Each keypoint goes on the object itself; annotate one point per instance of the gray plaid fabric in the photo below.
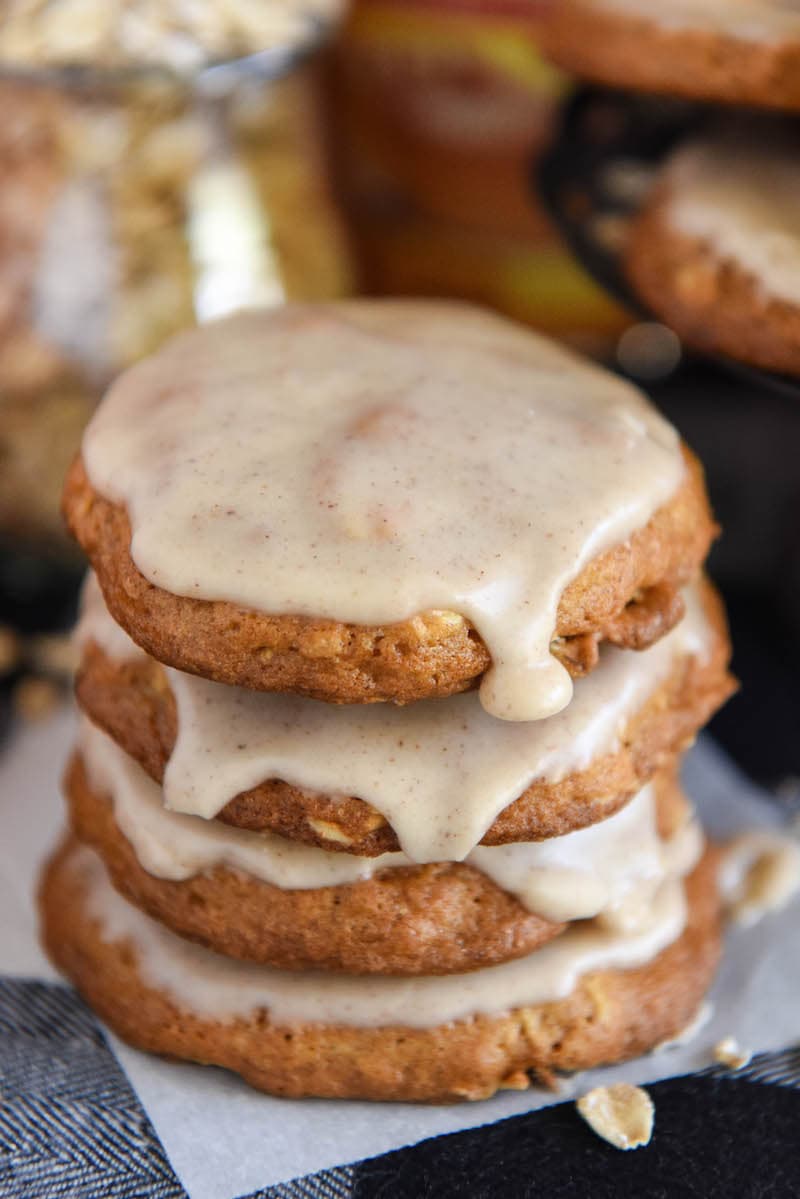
(70, 1124)
(72, 1128)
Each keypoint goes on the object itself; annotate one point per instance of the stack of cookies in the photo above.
(396, 633)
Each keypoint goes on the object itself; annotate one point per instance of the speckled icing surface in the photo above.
(367, 462)
(439, 771)
(612, 868)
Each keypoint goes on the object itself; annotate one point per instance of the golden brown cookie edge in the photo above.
(132, 703)
(624, 51)
(434, 919)
(610, 1016)
(711, 303)
(432, 654)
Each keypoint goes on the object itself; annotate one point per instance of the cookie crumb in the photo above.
(760, 874)
(728, 1052)
(621, 1114)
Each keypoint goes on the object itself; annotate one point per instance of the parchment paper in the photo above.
(224, 1140)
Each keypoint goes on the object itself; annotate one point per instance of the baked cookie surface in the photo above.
(438, 918)
(627, 596)
(312, 500)
(738, 53)
(130, 697)
(413, 920)
(610, 1014)
(715, 253)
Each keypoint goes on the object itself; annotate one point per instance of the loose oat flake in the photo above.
(728, 1052)
(622, 1114)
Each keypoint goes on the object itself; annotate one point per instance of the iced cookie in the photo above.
(736, 51)
(590, 996)
(433, 778)
(259, 897)
(386, 501)
(716, 251)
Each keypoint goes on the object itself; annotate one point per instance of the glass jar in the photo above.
(134, 204)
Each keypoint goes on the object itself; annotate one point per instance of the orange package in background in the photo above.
(439, 109)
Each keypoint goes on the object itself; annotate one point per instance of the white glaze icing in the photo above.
(368, 461)
(172, 846)
(439, 771)
(221, 989)
(745, 20)
(95, 623)
(742, 198)
(612, 868)
(455, 762)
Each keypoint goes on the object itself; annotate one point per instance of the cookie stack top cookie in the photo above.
(349, 561)
(386, 502)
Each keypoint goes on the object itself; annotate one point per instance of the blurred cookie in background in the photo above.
(715, 252)
(735, 51)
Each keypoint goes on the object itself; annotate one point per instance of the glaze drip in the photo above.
(440, 772)
(612, 868)
(340, 462)
(221, 989)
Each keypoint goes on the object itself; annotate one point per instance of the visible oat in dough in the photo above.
(610, 1015)
(626, 595)
(621, 1114)
(132, 702)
